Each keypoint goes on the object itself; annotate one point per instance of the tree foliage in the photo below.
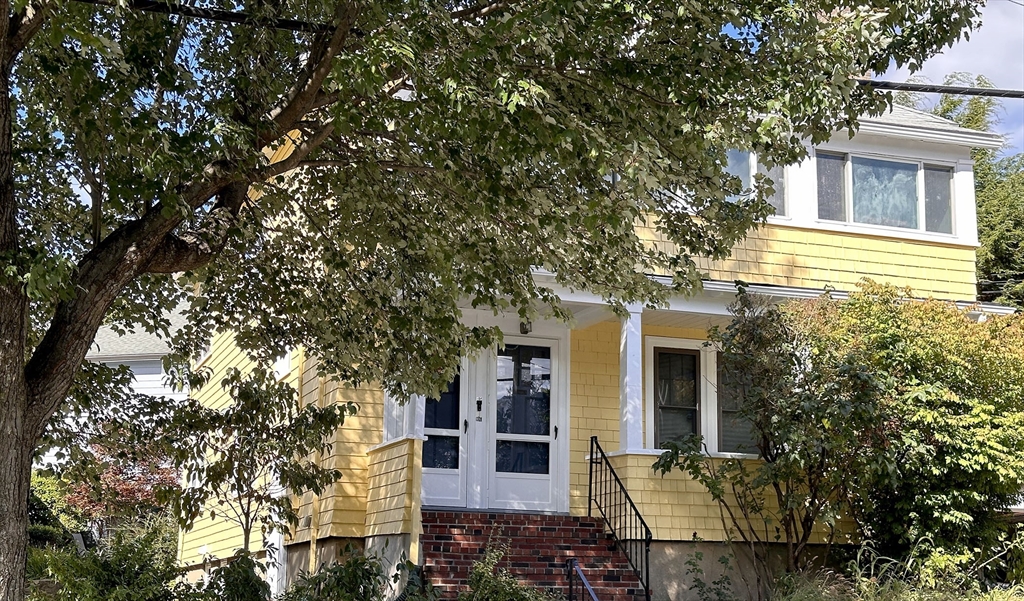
(347, 189)
(895, 420)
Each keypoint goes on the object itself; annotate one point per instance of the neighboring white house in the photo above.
(142, 352)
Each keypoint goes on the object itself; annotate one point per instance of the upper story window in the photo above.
(888, 192)
(744, 165)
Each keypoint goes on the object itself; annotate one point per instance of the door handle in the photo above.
(465, 425)
(556, 432)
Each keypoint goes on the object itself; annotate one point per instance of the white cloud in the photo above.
(995, 50)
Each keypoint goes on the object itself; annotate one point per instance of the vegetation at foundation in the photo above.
(879, 419)
(488, 581)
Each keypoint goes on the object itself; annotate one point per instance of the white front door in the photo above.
(492, 441)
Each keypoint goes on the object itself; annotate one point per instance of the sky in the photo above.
(996, 50)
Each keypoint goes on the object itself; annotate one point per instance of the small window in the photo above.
(283, 365)
(938, 199)
(743, 164)
(735, 431)
(677, 389)
(441, 427)
(831, 186)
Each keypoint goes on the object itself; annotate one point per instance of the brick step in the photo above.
(539, 546)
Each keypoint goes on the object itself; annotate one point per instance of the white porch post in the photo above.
(631, 432)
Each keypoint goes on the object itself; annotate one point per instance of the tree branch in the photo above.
(300, 98)
(198, 247)
(24, 25)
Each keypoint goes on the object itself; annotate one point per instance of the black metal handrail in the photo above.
(577, 580)
(620, 515)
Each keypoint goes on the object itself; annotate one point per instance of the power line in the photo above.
(227, 16)
(904, 86)
(216, 14)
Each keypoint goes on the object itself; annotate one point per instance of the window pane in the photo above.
(831, 186)
(443, 413)
(675, 423)
(676, 389)
(441, 452)
(884, 193)
(524, 390)
(938, 199)
(778, 199)
(738, 165)
(522, 457)
(735, 431)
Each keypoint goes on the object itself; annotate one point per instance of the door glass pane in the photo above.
(441, 452)
(443, 413)
(938, 199)
(522, 457)
(831, 186)
(524, 390)
(884, 192)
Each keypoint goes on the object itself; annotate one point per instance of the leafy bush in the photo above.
(138, 564)
(358, 577)
(489, 582)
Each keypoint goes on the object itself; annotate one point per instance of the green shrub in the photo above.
(489, 582)
(358, 577)
(136, 564)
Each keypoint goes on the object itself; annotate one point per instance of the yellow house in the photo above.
(509, 445)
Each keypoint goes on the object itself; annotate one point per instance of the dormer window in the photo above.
(885, 192)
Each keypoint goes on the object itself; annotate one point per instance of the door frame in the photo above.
(559, 453)
(478, 374)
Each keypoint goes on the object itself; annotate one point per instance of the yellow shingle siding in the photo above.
(789, 256)
(217, 537)
(594, 402)
(342, 506)
(392, 506)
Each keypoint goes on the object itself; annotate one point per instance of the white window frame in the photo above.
(707, 408)
(283, 365)
(848, 191)
(754, 162)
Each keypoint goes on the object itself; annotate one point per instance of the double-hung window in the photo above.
(744, 165)
(868, 190)
(676, 393)
(689, 394)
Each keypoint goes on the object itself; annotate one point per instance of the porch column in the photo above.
(631, 431)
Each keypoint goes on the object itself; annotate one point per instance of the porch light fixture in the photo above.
(525, 327)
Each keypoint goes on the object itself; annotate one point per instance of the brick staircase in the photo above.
(540, 545)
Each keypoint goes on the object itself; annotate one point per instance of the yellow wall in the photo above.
(789, 256)
(594, 402)
(394, 485)
(342, 507)
(214, 537)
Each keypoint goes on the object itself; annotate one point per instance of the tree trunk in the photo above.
(15, 476)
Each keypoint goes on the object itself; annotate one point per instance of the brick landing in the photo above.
(540, 544)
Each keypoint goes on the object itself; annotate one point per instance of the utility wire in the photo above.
(228, 16)
(215, 14)
(940, 89)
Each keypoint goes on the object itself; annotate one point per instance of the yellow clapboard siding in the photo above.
(393, 502)
(789, 256)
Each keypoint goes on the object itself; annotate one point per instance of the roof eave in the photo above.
(969, 138)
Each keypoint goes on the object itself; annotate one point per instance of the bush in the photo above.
(358, 577)
(488, 582)
(138, 564)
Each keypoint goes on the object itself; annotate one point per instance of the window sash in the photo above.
(664, 410)
(838, 196)
(745, 165)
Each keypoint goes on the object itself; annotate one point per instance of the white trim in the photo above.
(389, 443)
(124, 358)
(631, 428)
(938, 136)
